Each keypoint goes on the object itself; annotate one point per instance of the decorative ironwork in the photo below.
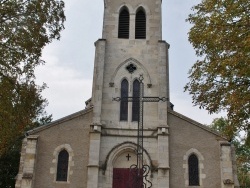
(135, 177)
(193, 170)
(131, 68)
(138, 177)
(139, 172)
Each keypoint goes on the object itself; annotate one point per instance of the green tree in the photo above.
(21, 105)
(220, 79)
(242, 150)
(9, 163)
(26, 27)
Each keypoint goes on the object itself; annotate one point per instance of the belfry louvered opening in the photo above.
(123, 31)
(140, 25)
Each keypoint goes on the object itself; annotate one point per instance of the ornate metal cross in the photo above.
(140, 170)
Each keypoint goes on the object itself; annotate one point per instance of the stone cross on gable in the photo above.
(141, 99)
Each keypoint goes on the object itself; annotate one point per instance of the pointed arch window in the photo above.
(193, 170)
(140, 24)
(123, 26)
(62, 166)
(135, 104)
(124, 104)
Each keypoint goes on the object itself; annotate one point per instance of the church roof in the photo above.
(193, 122)
(59, 121)
(89, 109)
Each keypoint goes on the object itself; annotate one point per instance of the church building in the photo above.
(98, 146)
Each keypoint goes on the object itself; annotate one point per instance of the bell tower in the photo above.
(131, 46)
(131, 14)
(132, 38)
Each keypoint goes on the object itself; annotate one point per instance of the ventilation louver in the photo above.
(123, 31)
(140, 25)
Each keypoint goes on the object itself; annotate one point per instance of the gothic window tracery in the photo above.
(131, 68)
(193, 170)
(140, 24)
(123, 27)
(62, 166)
(135, 103)
(124, 104)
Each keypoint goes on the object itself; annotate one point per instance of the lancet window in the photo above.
(193, 170)
(124, 104)
(140, 24)
(62, 166)
(123, 27)
(135, 104)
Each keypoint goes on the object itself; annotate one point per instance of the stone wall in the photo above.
(39, 156)
(26, 175)
(189, 137)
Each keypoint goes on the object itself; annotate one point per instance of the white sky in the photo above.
(69, 68)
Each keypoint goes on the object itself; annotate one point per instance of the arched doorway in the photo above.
(121, 169)
(119, 160)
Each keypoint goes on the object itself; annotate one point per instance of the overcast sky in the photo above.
(69, 68)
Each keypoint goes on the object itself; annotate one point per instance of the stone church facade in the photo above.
(94, 148)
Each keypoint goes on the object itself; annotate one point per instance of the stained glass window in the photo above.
(62, 166)
(193, 170)
(124, 103)
(135, 104)
(123, 30)
(140, 24)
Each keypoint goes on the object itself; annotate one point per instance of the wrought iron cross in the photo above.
(141, 171)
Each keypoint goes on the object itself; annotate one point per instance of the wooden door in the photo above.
(120, 177)
(125, 178)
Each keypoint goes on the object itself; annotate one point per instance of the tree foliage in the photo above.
(220, 79)
(21, 107)
(26, 26)
(9, 163)
(242, 150)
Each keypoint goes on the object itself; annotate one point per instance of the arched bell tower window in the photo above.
(124, 104)
(62, 166)
(193, 170)
(123, 27)
(140, 24)
(135, 104)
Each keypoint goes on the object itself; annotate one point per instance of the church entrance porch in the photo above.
(122, 174)
(121, 170)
